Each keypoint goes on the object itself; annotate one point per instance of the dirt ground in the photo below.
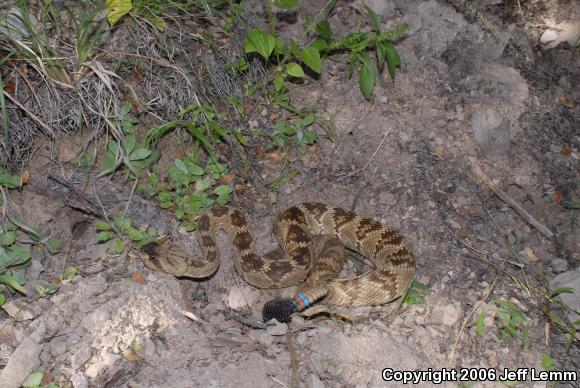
(462, 100)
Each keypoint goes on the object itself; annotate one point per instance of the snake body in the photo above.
(296, 260)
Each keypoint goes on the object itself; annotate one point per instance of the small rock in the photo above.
(559, 265)
(492, 131)
(277, 328)
(22, 362)
(383, 99)
(57, 348)
(81, 356)
(363, 311)
(79, 380)
(253, 123)
(18, 310)
(450, 315)
(548, 36)
(241, 297)
(571, 299)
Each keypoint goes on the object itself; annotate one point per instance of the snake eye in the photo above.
(279, 309)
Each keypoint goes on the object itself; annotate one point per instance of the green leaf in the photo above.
(10, 181)
(223, 190)
(381, 53)
(311, 58)
(116, 9)
(294, 70)
(104, 236)
(53, 245)
(286, 4)
(393, 59)
(123, 223)
(179, 214)
(561, 290)
(70, 273)
(2, 298)
(366, 80)
(480, 326)
(129, 143)
(33, 380)
(279, 84)
(10, 281)
(323, 29)
(18, 255)
(119, 246)
(7, 238)
(44, 289)
(102, 225)
(108, 165)
(223, 199)
(548, 363)
(376, 19)
(180, 165)
(260, 42)
(140, 154)
(135, 234)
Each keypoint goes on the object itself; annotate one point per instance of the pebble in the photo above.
(548, 36)
(559, 265)
(81, 356)
(314, 382)
(277, 328)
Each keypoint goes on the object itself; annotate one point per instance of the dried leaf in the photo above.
(273, 156)
(132, 356)
(138, 277)
(557, 197)
(565, 151)
(531, 255)
(566, 101)
(439, 149)
(227, 179)
(24, 177)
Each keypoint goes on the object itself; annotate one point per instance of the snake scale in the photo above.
(297, 259)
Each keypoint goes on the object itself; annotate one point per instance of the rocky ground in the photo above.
(469, 112)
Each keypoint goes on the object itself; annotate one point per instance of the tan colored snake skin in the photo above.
(296, 261)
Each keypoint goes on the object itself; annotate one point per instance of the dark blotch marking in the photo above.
(243, 240)
(203, 224)
(219, 211)
(400, 256)
(211, 255)
(277, 269)
(367, 226)
(389, 237)
(152, 250)
(294, 214)
(301, 256)
(297, 234)
(342, 217)
(251, 263)
(238, 219)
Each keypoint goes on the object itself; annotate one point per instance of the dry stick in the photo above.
(29, 113)
(480, 175)
(467, 319)
(130, 197)
(293, 359)
(368, 161)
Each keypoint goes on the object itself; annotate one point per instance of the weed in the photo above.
(512, 321)
(416, 293)
(121, 229)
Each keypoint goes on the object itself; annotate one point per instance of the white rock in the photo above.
(277, 328)
(548, 36)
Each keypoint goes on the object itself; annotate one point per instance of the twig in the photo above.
(467, 320)
(29, 113)
(480, 175)
(368, 161)
(293, 359)
(245, 321)
(130, 197)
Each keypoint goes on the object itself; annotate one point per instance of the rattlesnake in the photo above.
(296, 260)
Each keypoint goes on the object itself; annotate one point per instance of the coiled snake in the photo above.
(296, 259)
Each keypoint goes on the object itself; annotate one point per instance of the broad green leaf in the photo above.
(376, 19)
(319, 44)
(108, 165)
(70, 273)
(393, 59)
(116, 9)
(140, 154)
(195, 169)
(381, 55)
(311, 58)
(180, 165)
(10, 281)
(222, 199)
(44, 289)
(286, 4)
(135, 234)
(105, 236)
(295, 70)
(18, 255)
(279, 84)
(126, 108)
(308, 120)
(366, 80)
(33, 380)
(179, 214)
(102, 225)
(53, 245)
(7, 238)
(559, 291)
(223, 190)
(202, 184)
(260, 42)
(2, 298)
(323, 29)
(480, 326)
(119, 246)
(130, 142)
(10, 181)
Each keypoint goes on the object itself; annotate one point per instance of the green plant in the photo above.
(121, 231)
(416, 293)
(512, 321)
(290, 59)
(191, 189)
(125, 150)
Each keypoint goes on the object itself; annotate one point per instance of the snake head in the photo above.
(279, 309)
